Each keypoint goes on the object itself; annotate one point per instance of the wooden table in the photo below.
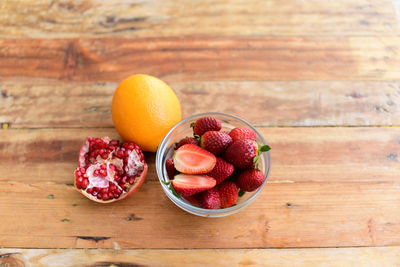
(320, 79)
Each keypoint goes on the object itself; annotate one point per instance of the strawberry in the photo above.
(228, 193)
(193, 200)
(242, 133)
(186, 140)
(188, 185)
(209, 199)
(206, 124)
(169, 165)
(244, 153)
(215, 142)
(249, 180)
(191, 159)
(241, 153)
(221, 171)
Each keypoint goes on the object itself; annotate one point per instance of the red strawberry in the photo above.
(250, 180)
(209, 199)
(206, 124)
(242, 133)
(188, 185)
(193, 200)
(191, 159)
(244, 153)
(241, 153)
(169, 165)
(187, 140)
(215, 142)
(221, 171)
(228, 193)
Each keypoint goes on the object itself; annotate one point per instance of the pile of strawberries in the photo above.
(214, 167)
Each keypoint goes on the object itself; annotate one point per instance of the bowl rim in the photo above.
(210, 212)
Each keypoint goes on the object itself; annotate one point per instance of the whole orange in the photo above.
(144, 108)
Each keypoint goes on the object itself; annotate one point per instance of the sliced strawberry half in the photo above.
(188, 185)
(191, 159)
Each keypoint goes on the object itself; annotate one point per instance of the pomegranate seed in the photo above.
(131, 180)
(112, 167)
(104, 196)
(90, 190)
(117, 178)
(116, 194)
(103, 172)
(112, 187)
(85, 183)
(99, 196)
(124, 179)
(119, 154)
(104, 190)
(114, 142)
(104, 156)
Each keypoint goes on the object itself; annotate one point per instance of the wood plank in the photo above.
(306, 214)
(326, 257)
(48, 18)
(298, 155)
(44, 103)
(203, 58)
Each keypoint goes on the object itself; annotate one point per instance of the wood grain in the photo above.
(324, 257)
(202, 58)
(55, 18)
(298, 154)
(44, 103)
(306, 214)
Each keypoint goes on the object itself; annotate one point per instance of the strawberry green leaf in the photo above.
(173, 191)
(241, 193)
(170, 187)
(265, 148)
(192, 125)
(197, 137)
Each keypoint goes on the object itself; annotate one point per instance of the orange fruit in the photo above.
(144, 108)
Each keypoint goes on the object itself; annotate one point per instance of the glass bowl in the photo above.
(183, 129)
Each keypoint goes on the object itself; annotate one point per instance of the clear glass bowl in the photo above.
(183, 129)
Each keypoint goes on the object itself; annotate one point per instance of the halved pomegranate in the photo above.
(109, 170)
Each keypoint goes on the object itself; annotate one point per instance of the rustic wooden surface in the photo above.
(320, 79)
(371, 256)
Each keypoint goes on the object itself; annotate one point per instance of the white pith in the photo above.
(134, 165)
